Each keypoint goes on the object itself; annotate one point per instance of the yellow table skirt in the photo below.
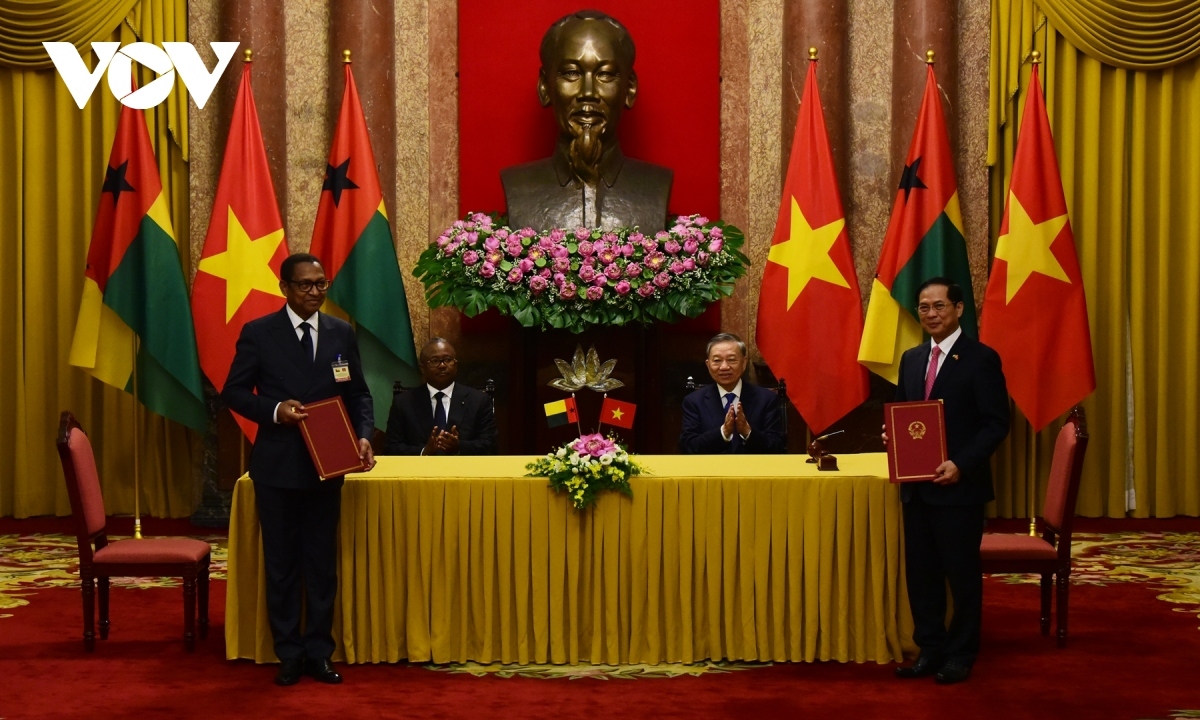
(714, 557)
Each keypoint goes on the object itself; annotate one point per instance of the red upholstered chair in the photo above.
(101, 559)
(1050, 554)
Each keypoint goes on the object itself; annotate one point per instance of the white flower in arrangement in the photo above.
(562, 452)
(607, 459)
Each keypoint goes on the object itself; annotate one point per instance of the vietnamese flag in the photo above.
(353, 239)
(810, 310)
(237, 279)
(135, 303)
(618, 413)
(924, 239)
(1034, 309)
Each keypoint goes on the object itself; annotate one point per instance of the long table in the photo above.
(751, 558)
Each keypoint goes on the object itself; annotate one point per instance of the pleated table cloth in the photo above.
(753, 558)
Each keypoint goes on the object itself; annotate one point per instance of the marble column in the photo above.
(443, 143)
(824, 25)
(364, 28)
(256, 25)
(918, 26)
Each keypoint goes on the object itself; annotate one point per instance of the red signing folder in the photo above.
(330, 438)
(916, 439)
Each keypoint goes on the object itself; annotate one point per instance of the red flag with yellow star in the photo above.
(810, 310)
(1034, 310)
(237, 279)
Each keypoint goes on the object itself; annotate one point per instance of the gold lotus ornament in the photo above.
(586, 371)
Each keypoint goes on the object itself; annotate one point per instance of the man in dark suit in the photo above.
(441, 417)
(284, 360)
(943, 518)
(731, 415)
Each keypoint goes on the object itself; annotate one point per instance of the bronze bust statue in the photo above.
(587, 79)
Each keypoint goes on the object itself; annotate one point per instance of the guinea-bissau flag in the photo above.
(353, 240)
(924, 239)
(1034, 309)
(135, 300)
(561, 412)
(237, 279)
(810, 310)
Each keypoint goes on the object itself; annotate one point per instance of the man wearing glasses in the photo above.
(283, 360)
(441, 417)
(943, 518)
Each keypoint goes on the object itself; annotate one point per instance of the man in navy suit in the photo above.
(441, 417)
(731, 415)
(284, 360)
(943, 518)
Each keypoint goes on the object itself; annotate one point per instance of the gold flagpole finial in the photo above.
(812, 54)
(346, 56)
(1035, 57)
(248, 55)
(928, 57)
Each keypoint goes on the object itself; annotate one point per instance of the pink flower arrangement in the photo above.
(625, 275)
(594, 445)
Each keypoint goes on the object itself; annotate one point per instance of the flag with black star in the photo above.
(353, 239)
(924, 239)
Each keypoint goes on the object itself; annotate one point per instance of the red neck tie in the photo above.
(931, 373)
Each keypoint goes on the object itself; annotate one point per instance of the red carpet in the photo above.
(1130, 656)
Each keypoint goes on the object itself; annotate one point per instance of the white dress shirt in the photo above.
(445, 401)
(945, 345)
(296, 320)
(737, 392)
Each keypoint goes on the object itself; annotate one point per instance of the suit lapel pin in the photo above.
(954, 356)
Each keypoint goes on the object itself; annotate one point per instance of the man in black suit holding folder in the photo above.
(284, 360)
(943, 518)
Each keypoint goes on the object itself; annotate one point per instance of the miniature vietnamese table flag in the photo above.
(134, 290)
(353, 240)
(924, 239)
(561, 412)
(618, 413)
(810, 310)
(237, 279)
(1034, 309)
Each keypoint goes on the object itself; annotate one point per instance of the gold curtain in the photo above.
(26, 24)
(1129, 149)
(1129, 34)
(52, 161)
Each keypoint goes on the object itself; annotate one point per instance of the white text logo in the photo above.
(165, 61)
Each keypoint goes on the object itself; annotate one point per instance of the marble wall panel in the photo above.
(309, 119)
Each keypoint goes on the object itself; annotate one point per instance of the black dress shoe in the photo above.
(923, 667)
(290, 671)
(322, 671)
(953, 672)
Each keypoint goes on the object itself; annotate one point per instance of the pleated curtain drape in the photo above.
(52, 163)
(1123, 95)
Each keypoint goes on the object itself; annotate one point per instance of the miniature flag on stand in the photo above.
(353, 239)
(135, 301)
(618, 413)
(1034, 310)
(924, 239)
(237, 279)
(561, 412)
(810, 312)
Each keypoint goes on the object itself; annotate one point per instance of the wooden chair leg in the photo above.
(89, 611)
(1047, 586)
(189, 610)
(203, 592)
(103, 608)
(1064, 589)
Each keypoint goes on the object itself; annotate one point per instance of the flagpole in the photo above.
(1035, 58)
(600, 419)
(137, 514)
